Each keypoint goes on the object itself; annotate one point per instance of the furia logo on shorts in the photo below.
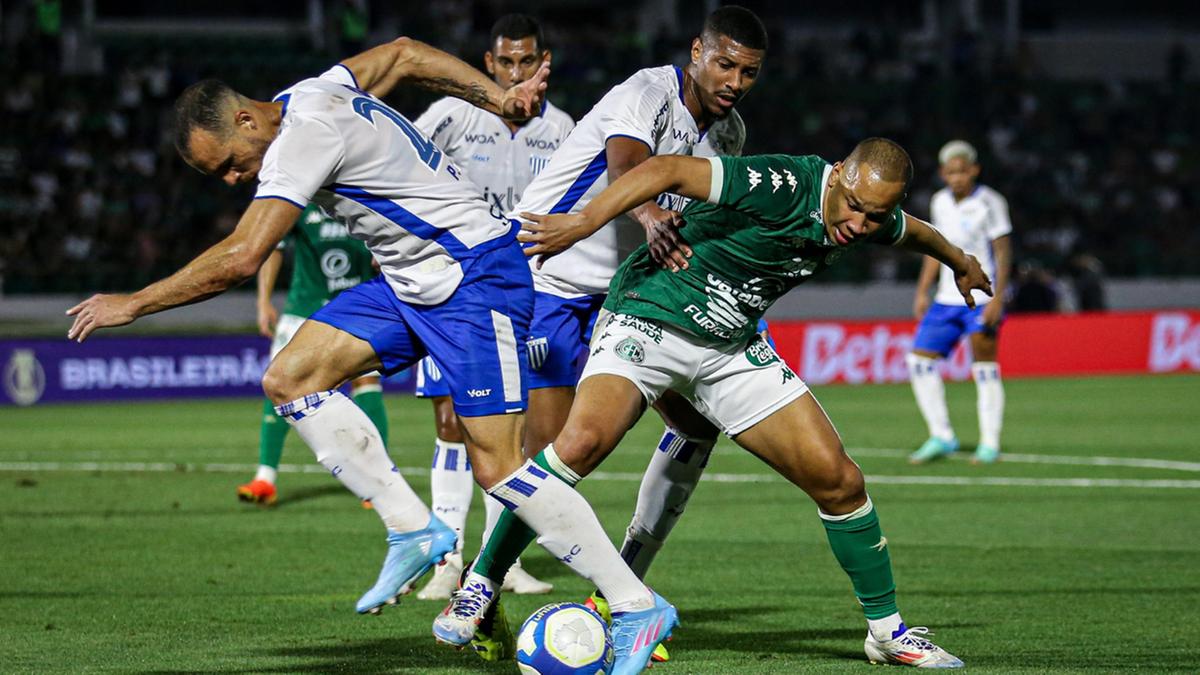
(24, 378)
(631, 350)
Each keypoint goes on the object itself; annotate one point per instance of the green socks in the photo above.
(511, 536)
(860, 547)
(272, 432)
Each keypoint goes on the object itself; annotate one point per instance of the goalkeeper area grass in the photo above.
(123, 547)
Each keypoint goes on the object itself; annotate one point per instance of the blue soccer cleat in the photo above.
(932, 449)
(637, 634)
(986, 454)
(410, 555)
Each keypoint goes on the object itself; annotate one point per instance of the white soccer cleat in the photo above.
(457, 624)
(910, 648)
(444, 580)
(523, 583)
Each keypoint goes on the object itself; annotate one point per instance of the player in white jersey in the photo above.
(501, 157)
(973, 217)
(658, 111)
(454, 284)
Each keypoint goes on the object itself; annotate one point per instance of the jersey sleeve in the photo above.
(305, 156)
(444, 123)
(998, 223)
(340, 74)
(636, 113)
(770, 188)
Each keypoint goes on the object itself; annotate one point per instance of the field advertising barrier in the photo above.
(121, 368)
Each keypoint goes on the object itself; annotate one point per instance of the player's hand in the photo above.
(100, 311)
(267, 317)
(524, 100)
(920, 305)
(972, 277)
(546, 236)
(667, 247)
(991, 313)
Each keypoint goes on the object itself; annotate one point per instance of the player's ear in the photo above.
(697, 49)
(245, 119)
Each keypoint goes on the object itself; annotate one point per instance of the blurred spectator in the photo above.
(1036, 290)
(1087, 279)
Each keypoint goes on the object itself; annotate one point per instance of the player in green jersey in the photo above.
(325, 261)
(765, 224)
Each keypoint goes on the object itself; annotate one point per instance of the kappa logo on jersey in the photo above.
(538, 349)
(755, 178)
(791, 179)
(479, 393)
(631, 350)
(480, 139)
(776, 180)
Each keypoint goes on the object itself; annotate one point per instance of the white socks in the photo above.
(266, 473)
(492, 510)
(568, 528)
(989, 401)
(451, 485)
(931, 395)
(674, 470)
(887, 628)
(347, 443)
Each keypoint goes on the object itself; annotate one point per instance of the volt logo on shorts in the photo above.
(477, 393)
(631, 350)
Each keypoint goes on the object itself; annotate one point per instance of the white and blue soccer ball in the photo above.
(563, 638)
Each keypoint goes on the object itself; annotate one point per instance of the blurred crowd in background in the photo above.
(1100, 175)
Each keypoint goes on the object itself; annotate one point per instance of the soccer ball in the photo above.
(562, 638)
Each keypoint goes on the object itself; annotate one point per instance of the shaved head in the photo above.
(879, 159)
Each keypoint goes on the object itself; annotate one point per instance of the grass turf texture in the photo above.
(164, 571)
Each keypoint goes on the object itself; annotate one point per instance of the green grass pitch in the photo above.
(123, 549)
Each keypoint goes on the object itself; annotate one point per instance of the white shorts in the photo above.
(735, 386)
(285, 329)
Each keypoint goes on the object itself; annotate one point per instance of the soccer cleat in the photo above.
(494, 640)
(637, 634)
(468, 608)
(366, 504)
(257, 492)
(445, 579)
(410, 554)
(910, 648)
(986, 454)
(599, 605)
(523, 583)
(932, 449)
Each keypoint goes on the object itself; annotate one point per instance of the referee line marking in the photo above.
(715, 477)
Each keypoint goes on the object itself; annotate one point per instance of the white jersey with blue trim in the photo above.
(647, 107)
(971, 224)
(371, 168)
(501, 162)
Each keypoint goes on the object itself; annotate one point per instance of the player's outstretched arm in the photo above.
(268, 274)
(920, 237)
(685, 176)
(405, 60)
(228, 263)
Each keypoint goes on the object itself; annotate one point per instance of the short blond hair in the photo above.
(957, 148)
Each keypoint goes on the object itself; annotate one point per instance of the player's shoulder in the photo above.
(450, 105)
(989, 195)
(942, 196)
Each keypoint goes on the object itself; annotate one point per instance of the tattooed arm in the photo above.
(412, 62)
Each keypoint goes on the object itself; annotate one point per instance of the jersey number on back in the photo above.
(427, 151)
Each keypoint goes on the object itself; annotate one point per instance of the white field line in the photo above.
(1016, 458)
(170, 467)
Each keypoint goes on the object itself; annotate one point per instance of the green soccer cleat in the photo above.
(598, 604)
(494, 640)
(933, 449)
(986, 454)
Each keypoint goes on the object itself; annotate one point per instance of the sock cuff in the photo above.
(549, 460)
(917, 362)
(860, 512)
(306, 405)
(984, 371)
(446, 456)
(684, 449)
(375, 388)
(517, 487)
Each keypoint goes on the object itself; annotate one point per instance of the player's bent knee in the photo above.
(843, 491)
(580, 449)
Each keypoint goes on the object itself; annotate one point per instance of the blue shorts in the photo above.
(559, 337)
(430, 382)
(763, 331)
(944, 325)
(476, 335)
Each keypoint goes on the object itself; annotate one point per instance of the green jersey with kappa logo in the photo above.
(760, 234)
(326, 260)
